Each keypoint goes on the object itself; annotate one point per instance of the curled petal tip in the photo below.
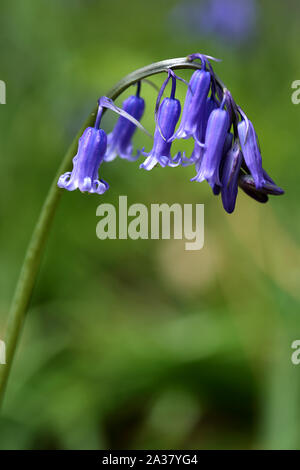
(101, 186)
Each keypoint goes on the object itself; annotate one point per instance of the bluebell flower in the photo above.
(119, 140)
(193, 113)
(226, 150)
(167, 117)
(90, 154)
(215, 137)
(230, 176)
(251, 151)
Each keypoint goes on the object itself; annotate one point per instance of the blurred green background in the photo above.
(141, 344)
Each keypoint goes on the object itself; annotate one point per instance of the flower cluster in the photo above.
(226, 150)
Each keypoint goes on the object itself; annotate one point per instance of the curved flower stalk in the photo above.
(213, 163)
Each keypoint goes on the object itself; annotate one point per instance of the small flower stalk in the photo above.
(226, 150)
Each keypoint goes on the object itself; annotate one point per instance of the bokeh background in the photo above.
(141, 344)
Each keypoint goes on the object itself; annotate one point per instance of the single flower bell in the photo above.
(250, 149)
(119, 140)
(167, 116)
(217, 129)
(86, 163)
(230, 176)
(194, 105)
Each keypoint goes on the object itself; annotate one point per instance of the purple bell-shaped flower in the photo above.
(90, 154)
(167, 117)
(119, 140)
(230, 176)
(215, 137)
(194, 106)
(251, 151)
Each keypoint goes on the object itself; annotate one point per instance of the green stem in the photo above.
(36, 245)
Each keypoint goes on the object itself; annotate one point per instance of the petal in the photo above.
(230, 176)
(251, 152)
(215, 137)
(194, 106)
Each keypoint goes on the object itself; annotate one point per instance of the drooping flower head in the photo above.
(119, 140)
(86, 163)
(226, 150)
(167, 115)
